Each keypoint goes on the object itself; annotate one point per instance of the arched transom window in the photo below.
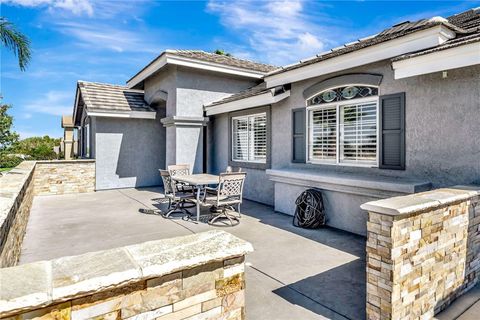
(342, 126)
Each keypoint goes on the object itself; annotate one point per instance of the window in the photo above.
(249, 138)
(87, 140)
(342, 126)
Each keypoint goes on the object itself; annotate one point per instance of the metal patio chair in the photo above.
(176, 200)
(229, 193)
(180, 170)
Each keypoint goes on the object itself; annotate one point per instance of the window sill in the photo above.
(249, 165)
(345, 164)
(378, 187)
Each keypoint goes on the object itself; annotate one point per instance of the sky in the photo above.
(110, 40)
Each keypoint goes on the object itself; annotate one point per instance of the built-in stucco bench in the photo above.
(343, 193)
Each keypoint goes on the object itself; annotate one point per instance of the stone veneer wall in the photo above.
(423, 251)
(61, 177)
(16, 196)
(28, 179)
(197, 277)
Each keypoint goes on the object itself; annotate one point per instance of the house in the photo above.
(390, 114)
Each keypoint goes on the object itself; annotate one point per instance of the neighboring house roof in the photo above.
(103, 99)
(202, 60)
(461, 23)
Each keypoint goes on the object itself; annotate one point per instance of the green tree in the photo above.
(7, 136)
(16, 41)
(37, 148)
(222, 52)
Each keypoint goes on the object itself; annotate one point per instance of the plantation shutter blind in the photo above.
(250, 138)
(323, 128)
(298, 135)
(259, 131)
(392, 131)
(358, 129)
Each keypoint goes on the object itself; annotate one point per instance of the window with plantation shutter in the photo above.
(358, 133)
(323, 134)
(342, 126)
(249, 138)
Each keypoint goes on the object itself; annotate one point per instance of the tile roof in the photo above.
(447, 45)
(458, 23)
(223, 59)
(109, 97)
(214, 58)
(467, 24)
(466, 20)
(250, 92)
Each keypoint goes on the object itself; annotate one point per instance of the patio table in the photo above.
(200, 181)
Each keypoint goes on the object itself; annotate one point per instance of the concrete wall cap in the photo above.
(65, 278)
(355, 180)
(419, 202)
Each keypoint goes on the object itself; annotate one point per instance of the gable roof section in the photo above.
(459, 25)
(102, 99)
(202, 60)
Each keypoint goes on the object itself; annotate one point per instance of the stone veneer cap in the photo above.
(47, 282)
(421, 201)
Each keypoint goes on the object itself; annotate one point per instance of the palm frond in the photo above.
(15, 41)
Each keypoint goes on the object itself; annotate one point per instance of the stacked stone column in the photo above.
(422, 252)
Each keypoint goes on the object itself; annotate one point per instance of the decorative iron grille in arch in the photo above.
(342, 94)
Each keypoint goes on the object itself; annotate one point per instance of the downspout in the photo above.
(205, 146)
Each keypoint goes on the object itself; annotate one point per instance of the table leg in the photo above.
(198, 203)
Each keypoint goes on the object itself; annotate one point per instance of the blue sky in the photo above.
(110, 40)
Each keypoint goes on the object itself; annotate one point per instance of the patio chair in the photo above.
(229, 193)
(181, 170)
(176, 200)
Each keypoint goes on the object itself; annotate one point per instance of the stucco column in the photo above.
(184, 141)
(67, 124)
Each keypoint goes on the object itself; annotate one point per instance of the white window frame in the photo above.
(338, 105)
(247, 117)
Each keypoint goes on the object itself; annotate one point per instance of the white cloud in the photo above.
(101, 36)
(277, 32)
(53, 102)
(77, 7)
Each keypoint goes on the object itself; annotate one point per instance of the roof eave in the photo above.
(170, 58)
(435, 61)
(266, 98)
(419, 40)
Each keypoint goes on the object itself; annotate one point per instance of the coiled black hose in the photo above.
(310, 212)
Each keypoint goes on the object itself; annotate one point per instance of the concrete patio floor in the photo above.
(293, 273)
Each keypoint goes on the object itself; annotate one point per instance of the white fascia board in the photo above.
(216, 67)
(77, 97)
(457, 57)
(416, 41)
(148, 71)
(263, 99)
(169, 58)
(123, 114)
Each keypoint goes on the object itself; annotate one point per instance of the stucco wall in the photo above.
(129, 152)
(442, 125)
(196, 88)
(188, 90)
(257, 186)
